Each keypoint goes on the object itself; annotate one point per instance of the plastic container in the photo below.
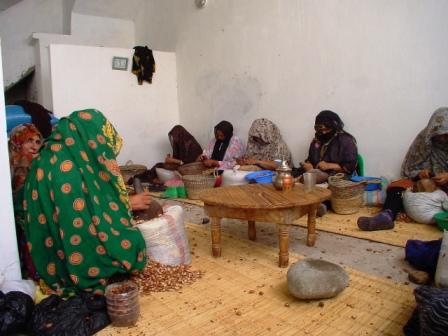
(123, 305)
(373, 183)
(441, 277)
(262, 176)
(442, 220)
(232, 177)
(165, 175)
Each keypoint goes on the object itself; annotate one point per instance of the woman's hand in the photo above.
(323, 165)
(201, 157)
(441, 179)
(424, 174)
(170, 159)
(251, 162)
(140, 201)
(211, 163)
(307, 166)
(240, 161)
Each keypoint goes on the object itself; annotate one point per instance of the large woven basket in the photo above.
(194, 168)
(194, 184)
(346, 196)
(130, 169)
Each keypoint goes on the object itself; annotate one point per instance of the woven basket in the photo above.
(346, 196)
(194, 168)
(194, 184)
(130, 170)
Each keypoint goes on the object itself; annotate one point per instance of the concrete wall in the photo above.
(380, 64)
(118, 32)
(82, 77)
(9, 261)
(17, 24)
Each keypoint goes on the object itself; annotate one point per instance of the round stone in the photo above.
(316, 279)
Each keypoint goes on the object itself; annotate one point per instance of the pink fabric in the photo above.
(235, 150)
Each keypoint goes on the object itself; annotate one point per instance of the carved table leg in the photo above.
(252, 231)
(311, 238)
(283, 238)
(216, 236)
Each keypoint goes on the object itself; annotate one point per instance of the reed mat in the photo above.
(245, 293)
(398, 236)
(183, 200)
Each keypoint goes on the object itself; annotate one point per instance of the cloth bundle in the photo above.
(422, 206)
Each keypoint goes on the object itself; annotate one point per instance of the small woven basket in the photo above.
(194, 168)
(130, 170)
(194, 184)
(346, 196)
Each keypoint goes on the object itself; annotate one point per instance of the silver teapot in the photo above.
(283, 179)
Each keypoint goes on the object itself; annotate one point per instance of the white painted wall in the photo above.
(82, 77)
(380, 64)
(17, 23)
(42, 43)
(9, 261)
(118, 32)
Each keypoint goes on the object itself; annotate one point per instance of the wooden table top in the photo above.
(262, 196)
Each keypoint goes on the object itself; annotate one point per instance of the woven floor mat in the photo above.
(346, 225)
(245, 293)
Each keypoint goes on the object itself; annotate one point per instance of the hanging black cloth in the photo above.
(143, 64)
(40, 116)
(220, 148)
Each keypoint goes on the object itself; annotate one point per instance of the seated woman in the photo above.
(185, 150)
(426, 158)
(332, 150)
(78, 213)
(223, 149)
(24, 144)
(185, 147)
(264, 145)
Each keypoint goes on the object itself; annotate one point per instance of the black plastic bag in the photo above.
(15, 311)
(81, 315)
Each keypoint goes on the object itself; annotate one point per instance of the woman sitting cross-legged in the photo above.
(427, 158)
(264, 145)
(332, 150)
(223, 149)
(185, 147)
(78, 213)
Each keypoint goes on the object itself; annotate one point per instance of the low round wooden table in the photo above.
(261, 202)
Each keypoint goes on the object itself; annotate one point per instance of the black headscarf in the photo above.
(331, 120)
(185, 147)
(221, 146)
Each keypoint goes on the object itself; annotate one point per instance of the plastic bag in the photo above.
(25, 286)
(15, 311)
(422, 206)
(81, 315)
(166, 239)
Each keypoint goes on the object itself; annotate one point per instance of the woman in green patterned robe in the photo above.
(78, 219)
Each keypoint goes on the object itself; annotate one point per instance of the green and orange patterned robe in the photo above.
(78, 221)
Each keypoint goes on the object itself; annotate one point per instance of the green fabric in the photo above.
(360, 168)
(78, 221)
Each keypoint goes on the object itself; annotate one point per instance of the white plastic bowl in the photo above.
(232, 177)
(165, 174)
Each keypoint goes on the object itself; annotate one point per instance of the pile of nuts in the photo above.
(157, 277)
